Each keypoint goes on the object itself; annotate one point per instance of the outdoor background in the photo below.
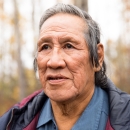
(19, 21)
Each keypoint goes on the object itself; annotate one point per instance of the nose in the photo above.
(56, 60)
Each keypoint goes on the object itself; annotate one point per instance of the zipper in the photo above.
(7, 127)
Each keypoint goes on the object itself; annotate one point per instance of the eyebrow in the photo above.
(44, 39)
(69, 39)
(61, 39)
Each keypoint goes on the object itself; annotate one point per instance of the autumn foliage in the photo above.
(17, 80)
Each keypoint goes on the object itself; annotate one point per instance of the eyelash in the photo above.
(68, 46)
(45, 47)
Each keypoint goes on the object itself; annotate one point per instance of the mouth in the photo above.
(59, 77)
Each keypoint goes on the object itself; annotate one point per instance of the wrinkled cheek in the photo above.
(42, 77)
(80, 81)
(41, 62)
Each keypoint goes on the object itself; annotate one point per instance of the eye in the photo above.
(68, 46)
(45, 47)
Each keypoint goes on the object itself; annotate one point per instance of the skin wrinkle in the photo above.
(70, 96)
(73, 77)
(59, 73)
(59, 40)
(67, 109)
(81, 65)
(56, 29)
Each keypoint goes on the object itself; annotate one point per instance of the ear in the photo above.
(100, 52)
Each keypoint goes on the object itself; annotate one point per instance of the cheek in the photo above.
(78, 64)
(41, 63)
(81, 70)
(42, 78)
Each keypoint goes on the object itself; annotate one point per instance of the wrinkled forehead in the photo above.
(65, 20)
(62, 26)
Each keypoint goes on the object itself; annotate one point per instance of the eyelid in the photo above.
(68, 43)
(44, 40)
(43, 45)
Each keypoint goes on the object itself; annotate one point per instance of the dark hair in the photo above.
(92, 36)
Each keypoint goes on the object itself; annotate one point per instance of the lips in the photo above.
(56, 77)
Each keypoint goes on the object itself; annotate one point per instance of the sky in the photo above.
(108, 15)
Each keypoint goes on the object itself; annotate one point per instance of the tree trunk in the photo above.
(21, 73)
(82, 4)
(2, 46)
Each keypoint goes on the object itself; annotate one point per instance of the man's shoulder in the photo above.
(26, 110)
(31, 98)
(115, 94)
(119, 103)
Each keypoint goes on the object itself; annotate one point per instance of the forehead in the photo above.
(63, 21)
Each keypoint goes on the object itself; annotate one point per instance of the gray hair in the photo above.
(92, 36)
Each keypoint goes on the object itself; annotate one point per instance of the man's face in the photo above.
(65, 71)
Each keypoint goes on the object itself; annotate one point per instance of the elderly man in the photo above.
(76, 93)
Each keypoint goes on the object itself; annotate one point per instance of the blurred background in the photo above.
(19, 21)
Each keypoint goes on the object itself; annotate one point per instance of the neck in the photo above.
(67, 113)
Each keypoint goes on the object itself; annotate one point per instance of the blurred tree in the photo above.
(34, 24)
(118, 52)
(16, 80)
(126, 20)
(82, 4)
(2, 17)
(21, 73)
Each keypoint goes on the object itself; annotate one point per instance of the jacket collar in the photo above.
(119, 107)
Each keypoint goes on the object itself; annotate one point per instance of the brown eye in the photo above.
(45, 47)
(68, 46)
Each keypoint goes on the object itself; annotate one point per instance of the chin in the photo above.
(62, 96)
(62, 99)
